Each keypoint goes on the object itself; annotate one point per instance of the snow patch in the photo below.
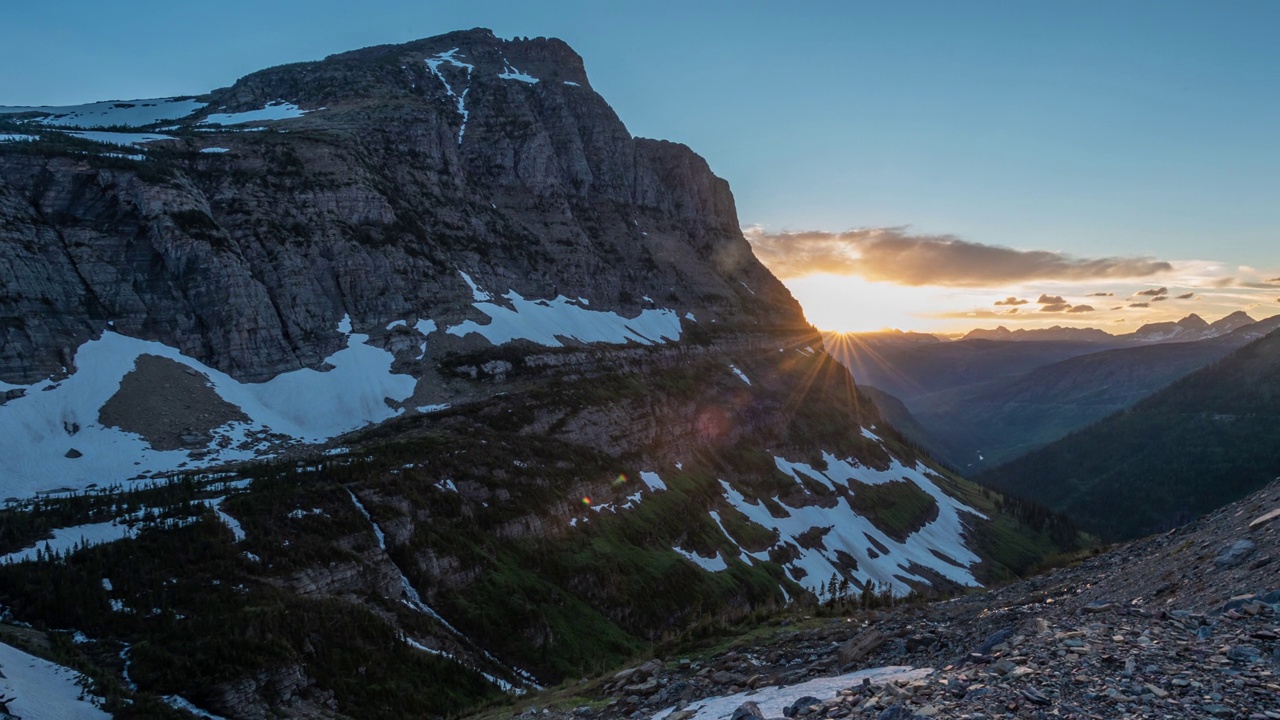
(11, 137)
(509, 72)
(571, 83)
(434, 64)
(120, 139)
(715, 564)
(236, 530)
(178, 702)
(306, 405)
(42, 690)
(545, 322)
(849, 532)
(424, 328)
(124, 113)
(773, 699)
(216, 150)
(476, 293)
(853, 534)
(653, 481)
(740, 374)
(273, 111)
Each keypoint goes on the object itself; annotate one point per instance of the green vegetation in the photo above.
(897, 507)
(476, 509)
(1201, 443)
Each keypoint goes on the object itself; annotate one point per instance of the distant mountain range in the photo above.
(1205, 440)
(978, 402)
(1188, 329)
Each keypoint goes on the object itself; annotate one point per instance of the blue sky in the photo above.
(1089, 128)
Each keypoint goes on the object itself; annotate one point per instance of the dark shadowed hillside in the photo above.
(1208, 439)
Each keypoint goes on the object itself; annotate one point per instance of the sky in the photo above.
(905, 164)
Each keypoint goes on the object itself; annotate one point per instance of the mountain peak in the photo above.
(1232, 322)
(1193, 322)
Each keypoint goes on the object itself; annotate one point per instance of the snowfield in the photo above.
(278, 110)
(39, 429)
(43, 690)
(113, 113)
(545, 322)
(888, 562)
(879, 557)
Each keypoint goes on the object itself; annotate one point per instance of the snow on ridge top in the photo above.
(11, 137)
(278, 110)
(434, 64)
(545, 322)
(126, 113)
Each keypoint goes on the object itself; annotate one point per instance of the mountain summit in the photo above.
(374, 216)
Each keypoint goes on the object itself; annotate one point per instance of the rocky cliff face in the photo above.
(402, 166)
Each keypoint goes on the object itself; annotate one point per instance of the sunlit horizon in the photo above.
(850, 304)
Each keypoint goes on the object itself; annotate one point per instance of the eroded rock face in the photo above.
(369, 205)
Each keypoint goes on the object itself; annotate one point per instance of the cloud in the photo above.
(1011, 301)
(1185, 296)
(892, 255)
(1274, 280)
(1159, 299)
(1118, 307)
(1051, 300)
(1056, 307)
(1101, 295)
(1081, 309)
(1153, 292)
(1139, 304)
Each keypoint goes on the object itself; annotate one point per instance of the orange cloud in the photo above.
(892, 255)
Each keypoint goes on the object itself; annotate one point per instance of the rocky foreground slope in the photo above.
(1184, 624)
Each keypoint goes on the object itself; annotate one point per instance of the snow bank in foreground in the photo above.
(39, 429)
(41, 689)
(125, 113)
(772, 700)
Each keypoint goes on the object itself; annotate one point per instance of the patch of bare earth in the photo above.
(169, 404)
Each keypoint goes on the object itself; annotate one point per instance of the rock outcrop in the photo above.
(411, 163)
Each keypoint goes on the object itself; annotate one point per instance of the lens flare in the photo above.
(586, 500)
(620, 480)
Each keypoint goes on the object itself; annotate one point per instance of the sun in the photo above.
(842, 303)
